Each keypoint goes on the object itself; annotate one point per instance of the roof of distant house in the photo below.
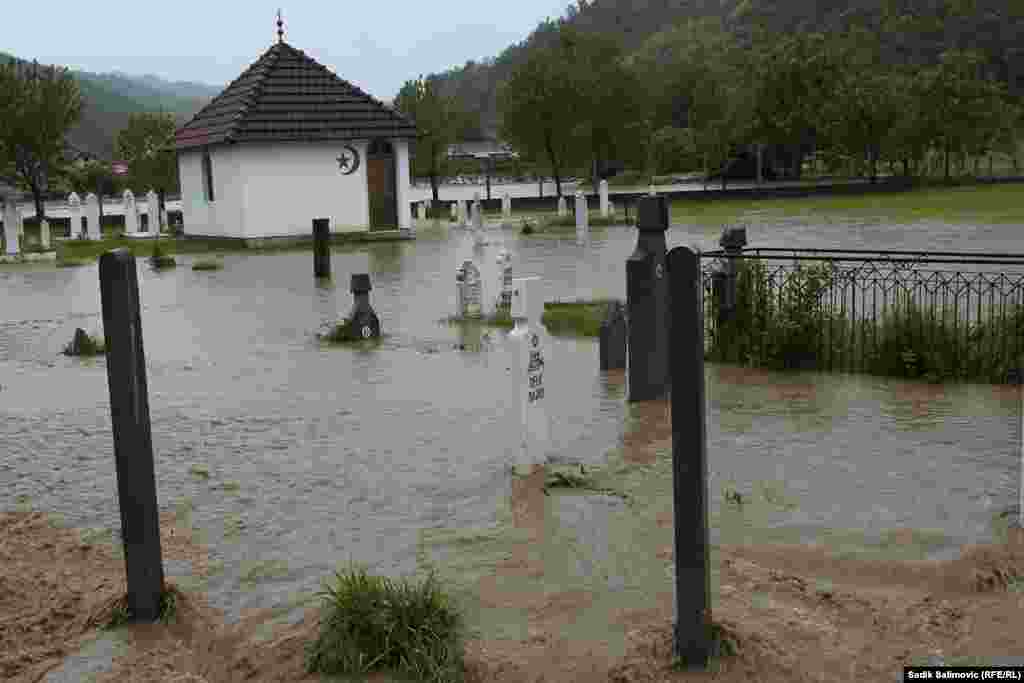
(286, 96)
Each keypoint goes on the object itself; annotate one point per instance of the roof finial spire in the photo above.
(280, 31)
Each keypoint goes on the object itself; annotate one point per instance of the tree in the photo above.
(147, 144)
(538, 106)
(38, 105)
(439, 122)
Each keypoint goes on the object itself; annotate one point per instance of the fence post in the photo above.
(689, 462)
(321, 247)
(647, 295)
(133, 443)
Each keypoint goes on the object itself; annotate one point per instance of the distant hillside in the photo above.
(111, 98)
(994, 26)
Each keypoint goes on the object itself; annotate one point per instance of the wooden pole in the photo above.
(133, 444)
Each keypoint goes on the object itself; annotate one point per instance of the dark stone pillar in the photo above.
(647, 295)
(133, 444)
(689, 463)
(363, 318)
(614, 331)
(321, 247)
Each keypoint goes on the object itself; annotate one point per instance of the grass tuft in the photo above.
(500, 318)
(372, 623)
(575, 318)
(207, 264)
(114, 613)
(84, 345)
(160, 258)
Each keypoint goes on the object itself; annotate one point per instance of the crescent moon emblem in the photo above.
(348, 160)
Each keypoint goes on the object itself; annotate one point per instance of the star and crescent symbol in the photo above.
(348, 160)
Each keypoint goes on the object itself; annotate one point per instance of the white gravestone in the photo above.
(471, 295)
(455, 210)
(463, 213)
(419, 210)
(611, 208)
(75, 211)
(131, 212)
(11, 227)
(528, 367)
(651, 191)
(153, 211)
(504, 300)
(506, 205)
(562, 210)
(582, 219)
(92, 216)
(604, 198)
(44, 234)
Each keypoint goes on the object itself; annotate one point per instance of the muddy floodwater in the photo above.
(290, 458)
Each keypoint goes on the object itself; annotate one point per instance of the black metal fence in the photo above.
(938, 315)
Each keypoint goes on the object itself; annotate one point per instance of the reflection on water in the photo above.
(341, 453)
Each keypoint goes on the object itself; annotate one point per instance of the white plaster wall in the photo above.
(223, 217)
(402, 181)
(288, 185)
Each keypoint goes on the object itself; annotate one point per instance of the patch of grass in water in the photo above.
(73, 262)
(579, 479)
(201, 471)
(160, 258)
(371, 623)
(500, 318)
(85, 345)
(344, 333)
(580, 318)
(208, 264)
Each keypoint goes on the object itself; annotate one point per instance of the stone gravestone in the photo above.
(611, 208)
(506, 205)
(131, 212)
(92, 216)
(471, 295)
(44, 234)
(153, 211)
(529, 365)
(363, 318)
(11, 227)
(455, 210)
(75, 211)
(419, 210)
(604, 198)
(504, 288)
(562, 210)
(582, 219)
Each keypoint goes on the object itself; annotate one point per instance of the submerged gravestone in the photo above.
(44, 234)
(613, 338)
(92, 216)
(529, 364)
(603, 190)
(470, 295)
(75, 211)
(504, 300)
(454, 209)
(363, 319)
(131, 212)
(562, 210)
(506, 205)
(582, 218)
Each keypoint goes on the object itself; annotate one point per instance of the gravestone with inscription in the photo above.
(504, 289)
(92, 216)
(363, 318)
(75, 211)
(472, 297)
(528, 365)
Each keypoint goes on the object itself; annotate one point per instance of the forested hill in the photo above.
(111, 98)
(994, 26)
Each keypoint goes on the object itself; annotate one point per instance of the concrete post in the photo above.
(133, 444)
(604, 198)
(363, 318)
(647, 295)
(692, 641)
(321, 247)
(613, 337)
(529, 350)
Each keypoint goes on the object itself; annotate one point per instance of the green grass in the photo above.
(91, 345)
(207, 264)
(575, 318)
(116, 612)
(372, 623)
(594, 219)
(344, 333)
(986, 204)
(74, 262)
(499, 318)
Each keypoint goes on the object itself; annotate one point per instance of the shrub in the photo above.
(370, 623)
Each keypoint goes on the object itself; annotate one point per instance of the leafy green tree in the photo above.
(147, 144)
(38, 106)
(439, 121)
(538, 106)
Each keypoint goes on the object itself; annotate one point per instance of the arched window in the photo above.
(207, 176)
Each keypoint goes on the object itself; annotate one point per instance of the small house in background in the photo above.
(289, 141)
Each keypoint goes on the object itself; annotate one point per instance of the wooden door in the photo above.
(383, 187)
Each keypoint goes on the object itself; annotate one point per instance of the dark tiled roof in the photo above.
(287, 96)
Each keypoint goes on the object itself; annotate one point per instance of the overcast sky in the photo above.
(376, 44)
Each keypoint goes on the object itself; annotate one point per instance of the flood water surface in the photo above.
(291, 458)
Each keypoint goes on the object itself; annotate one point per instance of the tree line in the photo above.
(901, 87)
(39, 106)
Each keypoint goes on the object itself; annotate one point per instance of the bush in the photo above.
(370, 623)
